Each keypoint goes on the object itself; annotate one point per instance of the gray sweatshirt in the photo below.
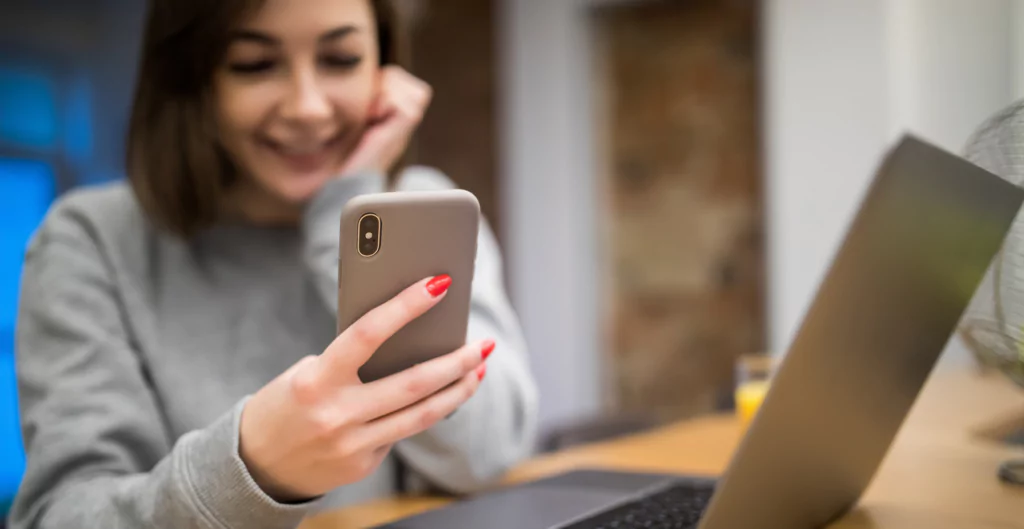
(136, 351)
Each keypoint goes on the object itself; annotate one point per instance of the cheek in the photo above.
(242, 108)
(353, 100)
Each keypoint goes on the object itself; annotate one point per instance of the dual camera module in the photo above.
(369, 235)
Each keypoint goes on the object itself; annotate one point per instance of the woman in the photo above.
(177, 359)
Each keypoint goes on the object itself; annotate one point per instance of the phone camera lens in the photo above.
(369, 239)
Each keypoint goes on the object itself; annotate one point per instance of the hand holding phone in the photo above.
(317, 426)
(389, 240)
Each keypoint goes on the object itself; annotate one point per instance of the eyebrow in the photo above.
(263, 38)
(253, 36)
(338, 33)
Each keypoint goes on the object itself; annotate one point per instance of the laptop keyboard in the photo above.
(677, 507)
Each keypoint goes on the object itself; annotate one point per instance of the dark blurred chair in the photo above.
(596, 430)
(608, 427)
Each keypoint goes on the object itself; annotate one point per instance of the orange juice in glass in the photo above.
(753, 378)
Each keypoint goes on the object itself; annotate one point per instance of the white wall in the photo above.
(843, 79)
(952, 65)
(549, 197)
(826, 120)
(1018, 48)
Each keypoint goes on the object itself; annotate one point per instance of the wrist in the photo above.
(254, 458)
(206, 468)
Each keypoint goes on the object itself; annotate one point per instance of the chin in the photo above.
(296, 179)
(299, 189)
(294, 185)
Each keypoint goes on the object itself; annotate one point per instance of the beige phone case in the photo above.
(422, 234)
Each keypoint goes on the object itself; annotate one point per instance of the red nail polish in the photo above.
(438, 285)
(481, 371)
(487, 349)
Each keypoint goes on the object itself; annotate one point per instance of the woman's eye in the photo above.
(252, 67)
(341, 61)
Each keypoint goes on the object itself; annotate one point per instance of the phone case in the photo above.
(422, 234)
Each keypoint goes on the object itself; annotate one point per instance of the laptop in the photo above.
(926, 231)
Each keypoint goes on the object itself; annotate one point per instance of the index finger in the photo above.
(356, 344)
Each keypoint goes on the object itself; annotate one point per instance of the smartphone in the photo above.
(390, 241)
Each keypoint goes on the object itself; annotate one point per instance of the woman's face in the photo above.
(294, 92)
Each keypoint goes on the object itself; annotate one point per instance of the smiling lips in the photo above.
(303, 157)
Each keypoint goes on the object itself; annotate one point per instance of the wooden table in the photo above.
(940, 473)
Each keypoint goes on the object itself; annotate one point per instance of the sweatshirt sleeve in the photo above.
(98, 454)
(496, 428)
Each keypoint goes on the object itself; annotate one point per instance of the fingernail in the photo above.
(487, 349)
(438, 285)
(481, 371)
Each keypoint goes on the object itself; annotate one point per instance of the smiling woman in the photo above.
(292, 103)
(177, 358)
(252, 105)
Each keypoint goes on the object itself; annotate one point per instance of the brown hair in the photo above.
(177, 168)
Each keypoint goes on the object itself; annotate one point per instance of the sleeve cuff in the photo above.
(221, 486)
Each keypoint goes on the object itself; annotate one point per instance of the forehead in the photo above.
(309, 17)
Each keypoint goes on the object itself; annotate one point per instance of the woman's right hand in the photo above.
(317, 426)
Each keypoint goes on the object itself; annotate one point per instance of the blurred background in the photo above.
(668, 179)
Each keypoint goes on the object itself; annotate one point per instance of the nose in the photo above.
(306, 102)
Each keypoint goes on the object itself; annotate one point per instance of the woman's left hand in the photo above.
(394, 116)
